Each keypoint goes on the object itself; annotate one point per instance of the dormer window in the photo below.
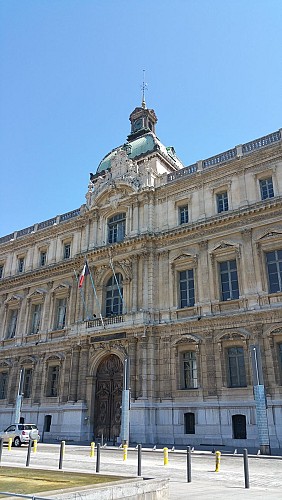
(116, 228)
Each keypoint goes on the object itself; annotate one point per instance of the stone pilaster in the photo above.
(74, 374)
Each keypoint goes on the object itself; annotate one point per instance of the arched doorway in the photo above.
(108, 398)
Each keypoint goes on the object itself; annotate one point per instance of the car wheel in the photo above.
(17, 442)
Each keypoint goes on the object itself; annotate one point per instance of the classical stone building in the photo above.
(185, 281)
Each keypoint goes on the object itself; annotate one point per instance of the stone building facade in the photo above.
(185, 281)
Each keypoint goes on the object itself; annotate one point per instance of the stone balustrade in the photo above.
(237, 152)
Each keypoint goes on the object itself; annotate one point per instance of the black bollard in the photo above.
(62, 452)
(98, 457)
(189, 475)
(1, 449)
(246, 468)
(139, 459)
(30, 443)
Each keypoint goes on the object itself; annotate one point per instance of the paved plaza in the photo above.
(265, 472)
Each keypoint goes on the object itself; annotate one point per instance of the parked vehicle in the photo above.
(20, 434)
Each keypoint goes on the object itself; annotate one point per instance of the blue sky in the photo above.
(71, 73)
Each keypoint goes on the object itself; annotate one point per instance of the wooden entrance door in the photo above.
(108, 399)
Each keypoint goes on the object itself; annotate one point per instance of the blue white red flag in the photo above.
(84, 273)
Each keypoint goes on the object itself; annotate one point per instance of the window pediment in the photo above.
(272, 234)
(187, 339)
(14, 300)
(184, 260)
(61, 288)
(37, 294)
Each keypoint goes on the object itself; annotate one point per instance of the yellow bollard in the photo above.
(35, 446)
(165, 456)
(217, 461)
(10, 440)
(92, 449)
(124, 452)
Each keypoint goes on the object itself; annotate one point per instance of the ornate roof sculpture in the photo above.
(139, 162)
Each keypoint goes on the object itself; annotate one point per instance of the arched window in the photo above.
(239, 427)
(116, 228)
(114, 293)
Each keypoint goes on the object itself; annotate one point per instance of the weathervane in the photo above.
(144, 88)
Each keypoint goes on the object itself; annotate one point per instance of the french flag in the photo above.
(84, 273)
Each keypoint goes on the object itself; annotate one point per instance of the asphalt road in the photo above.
(265, 472)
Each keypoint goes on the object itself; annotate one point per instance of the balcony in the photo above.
(111, 320)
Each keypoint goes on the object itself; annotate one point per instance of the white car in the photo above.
(20, 434)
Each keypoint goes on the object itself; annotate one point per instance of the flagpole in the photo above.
(95, 293)
(81, 294)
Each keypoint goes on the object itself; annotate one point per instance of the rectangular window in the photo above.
(27, 382)
(190, 376)
(229, 280)
(60, 319)
(67, 251)
(42, 259)
(21, 265)
(186, 288)
(52, 381)
(116, 228)
(183, 215)
(12, 323)
(1, 271)
(274, 270)
(35, 318)
(3, 384)
(222, 202)
(266, 188)
(189, 423)
(236, 367)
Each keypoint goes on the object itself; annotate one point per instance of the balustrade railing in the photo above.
(119, 318)
(47, 223)
(183, 171)
(26, 230)
(262, 142)
(221, 158)
(41, 225)
(229, 155)
(69, 215)
(7, 238)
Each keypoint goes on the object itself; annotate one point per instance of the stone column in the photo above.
(165, 374)
(46, 311)
(135, 218)
(135, 282)
(65, 385)
(242, 189)
(74, 374)
(211, 371)
(38, 380)
(204, 283)
(247, 271)
(94, 230)
(13, 382)
(83, 370)
(142, 356)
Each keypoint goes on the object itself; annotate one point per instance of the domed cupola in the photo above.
(142, 121)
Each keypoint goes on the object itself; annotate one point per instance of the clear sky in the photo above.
(71, 73)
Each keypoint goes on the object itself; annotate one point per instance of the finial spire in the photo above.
(144, 88)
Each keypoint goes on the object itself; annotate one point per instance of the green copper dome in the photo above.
(138, 147)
